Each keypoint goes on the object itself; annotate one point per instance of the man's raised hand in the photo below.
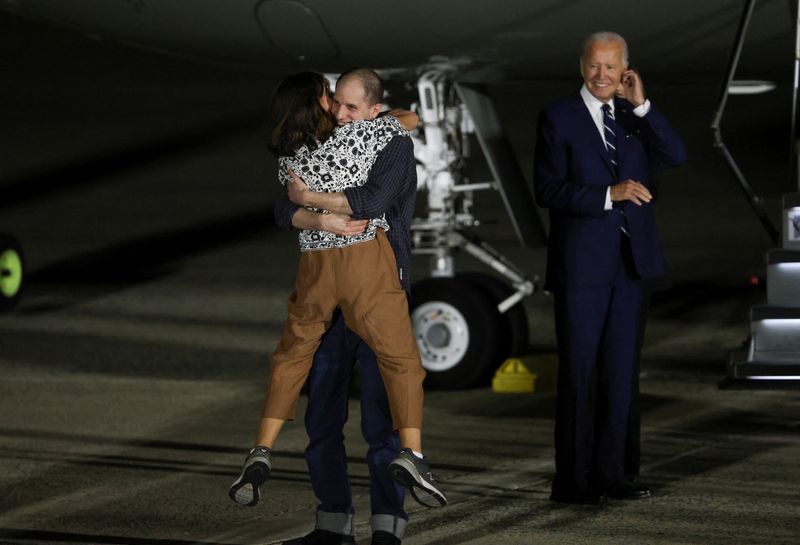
(631, 88)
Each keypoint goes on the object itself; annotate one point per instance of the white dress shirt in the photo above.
(595, 110)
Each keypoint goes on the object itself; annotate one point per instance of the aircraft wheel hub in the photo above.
(442, 334)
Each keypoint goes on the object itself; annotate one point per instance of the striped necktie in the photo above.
(610, 134)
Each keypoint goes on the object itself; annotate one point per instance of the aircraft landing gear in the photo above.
(11, 272)
(466, 324)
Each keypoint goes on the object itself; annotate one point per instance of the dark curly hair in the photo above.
(298, 115)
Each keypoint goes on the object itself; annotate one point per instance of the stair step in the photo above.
(780, 256)
(760, 373)
(783, 278)
(774, 312)
(765, 367)
(775, 333)
(759, 368)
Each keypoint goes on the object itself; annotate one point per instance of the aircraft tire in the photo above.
(12, 268)
(457, 331)
(514, 320)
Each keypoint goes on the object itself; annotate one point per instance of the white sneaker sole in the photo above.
(424, 492)
(246, 490)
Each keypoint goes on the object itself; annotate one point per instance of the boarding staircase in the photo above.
(772, 356)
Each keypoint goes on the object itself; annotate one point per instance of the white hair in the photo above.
(606, 37)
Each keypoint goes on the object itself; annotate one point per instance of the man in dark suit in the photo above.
(594, 155)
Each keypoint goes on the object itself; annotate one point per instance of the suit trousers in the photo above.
(596, 329)
(362, 280)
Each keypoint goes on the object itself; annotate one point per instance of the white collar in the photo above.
(593, 103)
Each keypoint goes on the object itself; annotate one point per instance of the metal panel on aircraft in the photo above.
(503, 164)
(297, 30)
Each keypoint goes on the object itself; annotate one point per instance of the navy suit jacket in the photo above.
(571, 174)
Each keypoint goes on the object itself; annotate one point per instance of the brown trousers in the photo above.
(361, 280)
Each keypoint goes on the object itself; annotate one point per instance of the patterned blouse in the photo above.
(342, 161)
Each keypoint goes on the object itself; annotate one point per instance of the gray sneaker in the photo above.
(415, 474)
(247, 488)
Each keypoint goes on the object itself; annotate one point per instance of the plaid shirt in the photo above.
(391, 189)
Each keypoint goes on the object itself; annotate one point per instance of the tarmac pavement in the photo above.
(126, 411)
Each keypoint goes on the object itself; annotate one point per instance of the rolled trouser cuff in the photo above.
(389, 523)
(339, 523)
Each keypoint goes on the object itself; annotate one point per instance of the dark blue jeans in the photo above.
(327, 412)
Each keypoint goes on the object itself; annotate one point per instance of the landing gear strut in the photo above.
(466, 324)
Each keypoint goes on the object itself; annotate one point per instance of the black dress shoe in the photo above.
(584, 496)
(322, 537)
(630, 491)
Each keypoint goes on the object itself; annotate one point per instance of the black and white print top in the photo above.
(342, 161)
